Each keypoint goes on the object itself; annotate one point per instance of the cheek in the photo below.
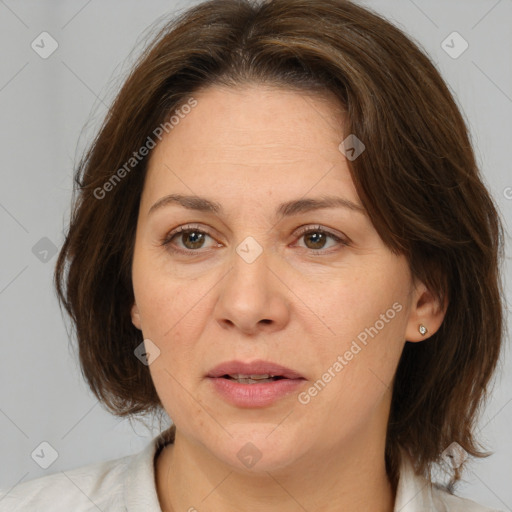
(173, 318)
(367, 321)
(168, 306)
(360, 305)
(355, 369)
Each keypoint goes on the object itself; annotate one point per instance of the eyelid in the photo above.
(318, 227)
(341, 239)
(166, 241)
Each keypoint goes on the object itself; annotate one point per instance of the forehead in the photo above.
(253, 140)
(255, 115)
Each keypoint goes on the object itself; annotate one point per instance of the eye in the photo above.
(316, 237)
(191, 237)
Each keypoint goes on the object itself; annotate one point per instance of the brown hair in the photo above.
(417, 179)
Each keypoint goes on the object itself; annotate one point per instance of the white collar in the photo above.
(414, 492)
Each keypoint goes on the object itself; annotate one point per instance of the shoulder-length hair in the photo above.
(418, 180)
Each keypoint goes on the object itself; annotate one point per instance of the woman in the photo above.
(281, 238)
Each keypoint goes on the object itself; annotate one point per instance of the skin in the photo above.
(300, 304)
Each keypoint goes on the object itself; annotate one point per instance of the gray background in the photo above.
(50, 109)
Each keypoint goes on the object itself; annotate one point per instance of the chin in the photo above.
(258, 449)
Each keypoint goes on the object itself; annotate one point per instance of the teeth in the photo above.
(253, 381)
(237, 376)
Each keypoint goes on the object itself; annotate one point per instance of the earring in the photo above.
(423, 330)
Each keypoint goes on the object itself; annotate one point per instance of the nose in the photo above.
(253, 296)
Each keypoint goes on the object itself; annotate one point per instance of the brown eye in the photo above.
(186, 240)
(192, 239)
(316, 239)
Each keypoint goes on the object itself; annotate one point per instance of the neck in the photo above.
(190, 478)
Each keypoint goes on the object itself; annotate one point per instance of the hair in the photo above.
(418, 180)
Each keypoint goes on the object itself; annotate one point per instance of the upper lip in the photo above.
(253, 368)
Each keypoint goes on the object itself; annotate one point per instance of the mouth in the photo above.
(253, 379)
(256, 384)
(254, 372)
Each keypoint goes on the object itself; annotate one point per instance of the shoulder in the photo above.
(91, 487)
(451, 503)
(416, 494)
(119, 485)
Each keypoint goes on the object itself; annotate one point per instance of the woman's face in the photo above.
(264, 275)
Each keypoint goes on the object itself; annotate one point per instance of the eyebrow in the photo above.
(287, 209)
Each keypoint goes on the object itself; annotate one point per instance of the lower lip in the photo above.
(255, 395)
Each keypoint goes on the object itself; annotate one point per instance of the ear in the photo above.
(426, 310)
(136, 316)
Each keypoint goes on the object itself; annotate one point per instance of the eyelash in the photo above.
(166, 242)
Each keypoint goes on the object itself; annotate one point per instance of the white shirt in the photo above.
(128, 485)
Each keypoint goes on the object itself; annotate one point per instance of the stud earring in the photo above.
(423, 330)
